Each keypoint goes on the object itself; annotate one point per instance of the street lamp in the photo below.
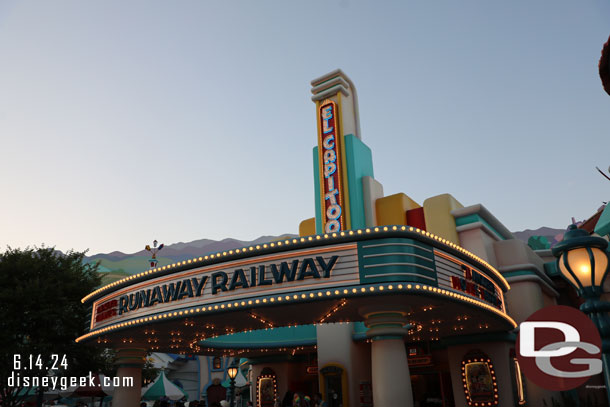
(583, 262)
(232, 372)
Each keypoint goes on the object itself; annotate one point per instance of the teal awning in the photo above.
(162, 387)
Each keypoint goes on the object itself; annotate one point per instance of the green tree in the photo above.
(538, 243)
(41, 314)
(149, 371)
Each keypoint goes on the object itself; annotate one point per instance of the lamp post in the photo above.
(583, 262)
(232, 372)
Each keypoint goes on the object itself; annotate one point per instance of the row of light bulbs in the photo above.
(288, 242)
(295, 297)
(333, 311)
(261, 320)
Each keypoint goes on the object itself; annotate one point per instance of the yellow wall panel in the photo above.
(437, 212)
(392, 210)
(307, 227)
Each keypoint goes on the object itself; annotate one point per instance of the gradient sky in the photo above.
(126, 121)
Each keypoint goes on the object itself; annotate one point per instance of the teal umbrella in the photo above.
(162, 387)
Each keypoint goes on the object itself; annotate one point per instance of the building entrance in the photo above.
(432, 389)
(332, 378)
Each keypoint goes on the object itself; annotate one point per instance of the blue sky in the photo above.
(126, 121)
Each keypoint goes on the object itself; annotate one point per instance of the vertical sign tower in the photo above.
(337, 118)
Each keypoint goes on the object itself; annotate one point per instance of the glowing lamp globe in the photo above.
(582, 260)
(232, 371)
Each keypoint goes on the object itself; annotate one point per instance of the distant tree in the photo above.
(538, 243)
(41, 314)
(149, 371)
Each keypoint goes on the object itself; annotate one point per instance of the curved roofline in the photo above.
(300, 243)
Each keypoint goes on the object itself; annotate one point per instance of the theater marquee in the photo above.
(278, 273)
(354, 261)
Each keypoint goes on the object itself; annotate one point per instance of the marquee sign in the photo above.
(295, 270)
(106, 310)
(456, 275)
(477, 285)
(277, 273)
(413, 265)
(331, 168)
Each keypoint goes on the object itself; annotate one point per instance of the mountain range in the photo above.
(116, 265)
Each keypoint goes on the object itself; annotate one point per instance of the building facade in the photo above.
(381, 300)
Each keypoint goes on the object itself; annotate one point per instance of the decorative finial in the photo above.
(154, 250)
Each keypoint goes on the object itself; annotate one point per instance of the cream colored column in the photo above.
(129, 363)
(389, 367)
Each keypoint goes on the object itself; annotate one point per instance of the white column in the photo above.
(129, 364)
(391, 379)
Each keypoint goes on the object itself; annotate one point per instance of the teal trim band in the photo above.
(472, 218)
(386, 337)
(316, 184)
(519, 273)
(302, 335)
(359, 162)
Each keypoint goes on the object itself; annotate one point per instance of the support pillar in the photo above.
(129, 362)
(391, 379)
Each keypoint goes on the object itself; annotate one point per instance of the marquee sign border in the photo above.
(390, 231)
(312, 293)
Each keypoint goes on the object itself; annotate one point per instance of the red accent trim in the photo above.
(415, 218)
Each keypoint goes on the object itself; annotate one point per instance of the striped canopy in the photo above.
(162, 387)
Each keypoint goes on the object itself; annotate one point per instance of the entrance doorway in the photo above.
(332, 384)
(432, 389)
(215, 394)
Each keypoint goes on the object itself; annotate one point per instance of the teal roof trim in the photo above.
(602, 227)
(517, 273)
(265, 338)
(472, 218)
(302, 335)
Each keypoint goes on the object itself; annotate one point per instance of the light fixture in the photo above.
(232, 372)
(582, 260)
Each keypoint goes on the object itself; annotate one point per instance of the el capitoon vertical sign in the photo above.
(331, 168)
